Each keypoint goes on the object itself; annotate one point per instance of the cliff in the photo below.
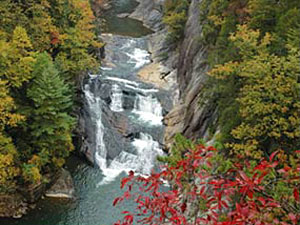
(184, 69)
(188, 117)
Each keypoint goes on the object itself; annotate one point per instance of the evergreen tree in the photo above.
(48, 118)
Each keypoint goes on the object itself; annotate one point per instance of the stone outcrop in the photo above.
(150, 13)
(188, 116)
(183, 71)
(63, 186)
(12, 205)
(16, 205)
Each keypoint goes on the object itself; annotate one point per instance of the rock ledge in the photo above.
(63, 187)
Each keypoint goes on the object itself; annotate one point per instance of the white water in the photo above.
(140, 57)
(149, 109)
(146, 109)
(95, 107)
(116, 98)
(105, 68)
(131, 84)
(122, 80)
(142, 90)
(140, 163)
(146, 148)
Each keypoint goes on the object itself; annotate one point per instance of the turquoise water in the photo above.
(124, 26)
(93, 205)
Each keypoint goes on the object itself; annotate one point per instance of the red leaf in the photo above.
(129, 219)
(131, 173)
(124, 181)
(183, 207)
(296, 194)
(292, 217)
(272, 156)
(116, 201)
(243, 175)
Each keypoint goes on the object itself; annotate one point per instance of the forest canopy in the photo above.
(45, 46)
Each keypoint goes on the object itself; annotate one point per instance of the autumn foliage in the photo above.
(199, 192)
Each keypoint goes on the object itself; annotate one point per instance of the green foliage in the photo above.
(181, 144)
(175, 17)
(220, 20)
(8, 154)
(49, 124)
(268, 97)
(36, 89)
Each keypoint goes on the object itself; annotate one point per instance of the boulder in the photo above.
(123, 15)
(150, 13)
(63, 187)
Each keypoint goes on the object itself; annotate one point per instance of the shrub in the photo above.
(206, 189)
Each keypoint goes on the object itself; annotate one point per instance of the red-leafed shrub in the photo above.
(200, 192)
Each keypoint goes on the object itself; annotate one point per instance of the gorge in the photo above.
(121, 123)
(93, 89)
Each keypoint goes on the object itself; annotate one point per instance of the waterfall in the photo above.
(149, 109)
(94, 103)
(142, 162)
(117, 87)
(140, 57)
(143, 159)
(116, 99)
(148, 150)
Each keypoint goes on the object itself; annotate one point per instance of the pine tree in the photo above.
(48, 118)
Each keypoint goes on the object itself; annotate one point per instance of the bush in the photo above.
(206, 189)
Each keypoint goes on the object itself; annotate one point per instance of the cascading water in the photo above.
(139, 57)
(144, 116)
(94, 104)
(116, 137)
(149, 109)
(116, 98)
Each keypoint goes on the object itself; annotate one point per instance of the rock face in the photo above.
(188, 117)
(17, 204)
(12, 206)
(63, 187)
(150, 13)
(184, 71)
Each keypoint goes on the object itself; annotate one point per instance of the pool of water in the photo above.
(92, 206)
(124, 26)
(93, 203)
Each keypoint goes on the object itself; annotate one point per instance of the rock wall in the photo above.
(186, 67)
(188, 116)
(150, 13)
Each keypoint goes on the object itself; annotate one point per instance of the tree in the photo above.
(48, 117)
(8, 154)
(205, 190)
(175, 17)
(35, 102)
(17, 60)
(268, 95)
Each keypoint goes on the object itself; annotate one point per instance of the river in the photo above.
(113, 97)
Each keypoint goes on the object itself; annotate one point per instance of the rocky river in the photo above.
(123, 129)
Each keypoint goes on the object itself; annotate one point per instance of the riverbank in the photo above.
(142, 138)
(16, 205)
